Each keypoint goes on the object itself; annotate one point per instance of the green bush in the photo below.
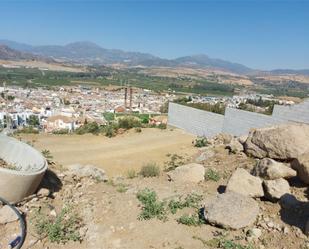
(129, 122)
(152, 207)
(110, 130)
(174, 161)
(61, 132)
(190, 201)
(91, 127)
(131, 173)
(60, 229)
(28, 130)
(150, 170)
(162, 126)
(190, 220)
(48, 156)
(200, 142)
(212, 175)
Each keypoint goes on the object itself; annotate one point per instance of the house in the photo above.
(59, 122)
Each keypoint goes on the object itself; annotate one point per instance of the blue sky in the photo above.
(261, 34)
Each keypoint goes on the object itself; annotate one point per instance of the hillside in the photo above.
(7, 53)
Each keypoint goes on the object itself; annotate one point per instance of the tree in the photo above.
(33, 120)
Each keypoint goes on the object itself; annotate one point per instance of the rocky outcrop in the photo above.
(301, 164)
(275, 189)
(192, 172)
(246, 184)
(269, 169)
(90, 171)
(231, 210)
(282, 142)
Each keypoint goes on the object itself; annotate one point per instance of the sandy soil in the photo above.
(115, 155)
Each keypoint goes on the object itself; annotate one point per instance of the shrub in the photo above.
(129, 122)
(138, 129)
(61, 132)
(190, 220)
(152, 207)
(121, 188)
(60, 229)
(162, 126)
(28, 130)
(150, 170)
(190, 201)
(174, 161)
(110, 130)
(200, 142)
(91, 127)
(212, 175)
(131, 173)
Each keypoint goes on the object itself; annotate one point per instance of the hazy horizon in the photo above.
(261, 35)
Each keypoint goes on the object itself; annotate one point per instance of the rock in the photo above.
(243, 183)
(231, 210)
(235, 146)
(274, 189)
(254, 234)
(269, 169)
(301, 165)
(288, 201)
(205, 155)
(7, 215)
(192, 172)
(222, 138)
(242, 139)
(287, 141)
(87, 171)
(43, 192)
(307, 228)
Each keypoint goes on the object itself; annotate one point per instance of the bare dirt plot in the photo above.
(119, 154)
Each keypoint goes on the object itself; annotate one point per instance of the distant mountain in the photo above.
(7, 53)
(90, 53)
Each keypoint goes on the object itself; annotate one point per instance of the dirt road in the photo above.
(115, 155)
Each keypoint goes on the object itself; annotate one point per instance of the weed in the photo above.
(174, 161)
(48, 156)
(212, 175)
(138, 129)
(150, 170)
(152, 207)
(190, 220)
(122, 188)
(200, 142)
(131, 173)
(223, 243)
(61, 229)
(190, 201)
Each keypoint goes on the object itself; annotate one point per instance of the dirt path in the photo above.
(119, 154)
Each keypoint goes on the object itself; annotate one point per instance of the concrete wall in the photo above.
(198, 122)
(296, 113)
(238, 122)
(30, 164)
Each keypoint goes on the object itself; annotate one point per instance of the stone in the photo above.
(43, 192)
(209, 153)
(246, 184)
(7, 215)
(275, 189)
(288, 201)
(235, 146)
(221, 138)
(254, 234)
(192, 172)
(284, 142)
(89, 171)
(242, 139)
(301, 165)
(231, 210)
(269, 169)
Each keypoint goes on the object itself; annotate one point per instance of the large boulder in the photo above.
(246, 184)
(275, 189)
(87, 171)
(7, 215)
(269, 169)
(301, 164)
(287, 141)
(191, 172)
(231, 210)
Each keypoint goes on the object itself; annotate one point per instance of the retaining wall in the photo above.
(235, 122)
(195, 121)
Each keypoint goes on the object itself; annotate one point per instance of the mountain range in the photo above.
(90, 53)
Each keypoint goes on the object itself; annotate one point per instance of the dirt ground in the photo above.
(115, 155)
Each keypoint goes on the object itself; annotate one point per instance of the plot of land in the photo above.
(115, 155)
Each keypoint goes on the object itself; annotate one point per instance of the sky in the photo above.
(261, 34)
